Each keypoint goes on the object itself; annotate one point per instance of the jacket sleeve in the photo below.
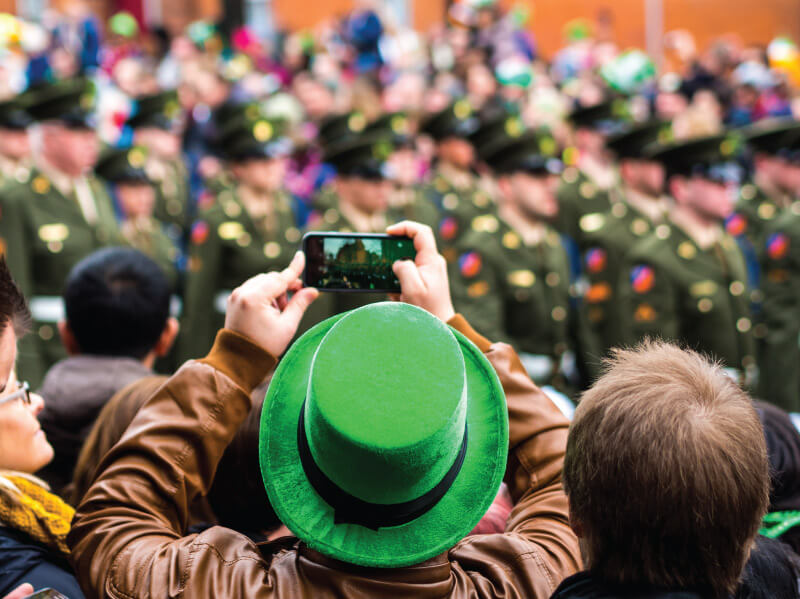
(538, 549)
(127, 537)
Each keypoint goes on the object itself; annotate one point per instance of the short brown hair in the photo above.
(666, 471)
(13, 308)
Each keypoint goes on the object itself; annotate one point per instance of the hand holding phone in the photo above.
(424, 281)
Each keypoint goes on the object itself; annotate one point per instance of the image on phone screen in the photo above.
(354, 262)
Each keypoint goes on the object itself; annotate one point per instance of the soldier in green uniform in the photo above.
(362, 199)
(61, 214)
(15, 149)
(637, 207)
(687, 280)
(155, 121)
(765, 197)
(590, 175)
(454, 187)
(135, 197)
(512, 283)
(249, 229)
(406, 201)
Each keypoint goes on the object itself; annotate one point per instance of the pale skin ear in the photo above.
(68, 338)
(167, 338)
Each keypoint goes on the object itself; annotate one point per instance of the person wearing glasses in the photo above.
(33, 522)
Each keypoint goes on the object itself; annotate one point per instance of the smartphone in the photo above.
(354, 262)
(47, 594)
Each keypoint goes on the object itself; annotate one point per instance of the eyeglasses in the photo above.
(24, 393)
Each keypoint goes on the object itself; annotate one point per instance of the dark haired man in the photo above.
(117, 303)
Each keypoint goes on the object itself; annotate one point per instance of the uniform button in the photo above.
(292, 235)
(232, 209)
(662, 231)
(743, 325)
(795, 208)
(552, 279)
(272, 249)
(705, 305)
(748, 192)
(244, 239)
(174, 208)
(737, 288)
(587, 190)
(331, 215)
(619, 210)
(46, 332)
(558, 314)
(55, 246)
(450, 201)
(639, 227)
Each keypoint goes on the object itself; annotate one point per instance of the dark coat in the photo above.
(24, 560)
(586, 586)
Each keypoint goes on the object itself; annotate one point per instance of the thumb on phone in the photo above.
(20, 592)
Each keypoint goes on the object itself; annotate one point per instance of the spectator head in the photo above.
(771, 572)
(666, 472)
(23, 446)
(117, 304)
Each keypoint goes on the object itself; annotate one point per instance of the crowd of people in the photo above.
(586, 388)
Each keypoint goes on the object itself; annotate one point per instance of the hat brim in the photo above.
(311, 519)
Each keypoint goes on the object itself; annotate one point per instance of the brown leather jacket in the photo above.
(128, 538)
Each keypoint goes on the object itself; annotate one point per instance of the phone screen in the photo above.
(46, 594)
(354, 261)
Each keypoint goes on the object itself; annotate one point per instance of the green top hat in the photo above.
(126, 165)
(71, 101)
(395, 126)
(713, 157)
(384, 436)
(772, 136)
(340, 128)
(160, 111)
(13, 115)
(262, 138)
(363, 156)
(632, 142)
(609, 117)
(532, 152)
(457, 120)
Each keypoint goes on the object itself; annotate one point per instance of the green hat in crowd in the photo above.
(233, 111)
(609, 117)
(394, 125)
(457, 120)
(160, 111)
(341, 128)
(70, 101)
(389, 469)
(13, 115)
(363, 157)
(772, 136)
(518, 150)
(713, 157)
(243, 139)
(123, 165)
(632, 142)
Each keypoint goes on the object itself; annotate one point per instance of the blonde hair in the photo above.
(666, 471)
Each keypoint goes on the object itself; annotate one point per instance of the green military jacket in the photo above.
(15, 173)
(608, 238)
(755, 210)
(43, 235)
(148, 237)
(457, 209)
(580, 202)
(515, 293)
(412, 204)
(227, 247)
(672, 289)
(779, 354)
(171, 181)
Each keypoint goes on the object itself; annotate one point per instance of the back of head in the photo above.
(783, 448)
(117, 303)
(111, 423)
(666, 472)
(771, 572)
(13, 308)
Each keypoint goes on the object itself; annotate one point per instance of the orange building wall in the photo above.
(754, 20)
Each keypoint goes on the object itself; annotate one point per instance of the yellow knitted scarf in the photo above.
(38, 513)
